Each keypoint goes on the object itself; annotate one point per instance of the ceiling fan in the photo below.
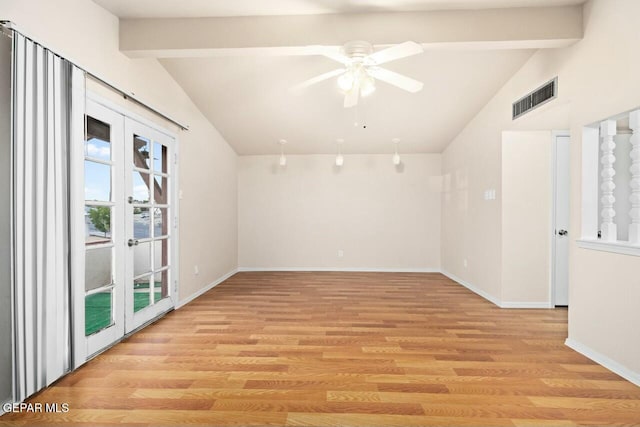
(361, 68)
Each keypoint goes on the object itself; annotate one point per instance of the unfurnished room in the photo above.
(320, 212)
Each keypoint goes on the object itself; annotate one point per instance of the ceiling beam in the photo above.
(514, 28)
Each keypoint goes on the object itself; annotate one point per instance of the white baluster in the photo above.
(634, 228)
(607, 160)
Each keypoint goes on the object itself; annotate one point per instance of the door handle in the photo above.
(132, 242)
(563, 232)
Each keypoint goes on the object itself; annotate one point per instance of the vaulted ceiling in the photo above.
(238, 60)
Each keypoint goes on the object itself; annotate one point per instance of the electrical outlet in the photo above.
(196, 270)
(465, 263)
(340, 253)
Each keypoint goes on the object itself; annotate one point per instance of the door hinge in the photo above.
(175, 158)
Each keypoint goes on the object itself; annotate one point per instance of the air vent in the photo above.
(542, 95)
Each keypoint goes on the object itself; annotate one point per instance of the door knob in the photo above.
(132, 242)
(563, 232)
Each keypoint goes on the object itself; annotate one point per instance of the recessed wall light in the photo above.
(396, 156)
(283, 158)
(339, 157)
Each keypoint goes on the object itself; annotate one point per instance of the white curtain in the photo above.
(43, 116)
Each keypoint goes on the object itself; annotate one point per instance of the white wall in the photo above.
(598, 77)
(526, 218)
(300, 216)
(208, 209)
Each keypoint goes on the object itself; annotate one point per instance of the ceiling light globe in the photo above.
(367, 86)
(283, 160)
(345, 81)
(396, 159)
(339, 160)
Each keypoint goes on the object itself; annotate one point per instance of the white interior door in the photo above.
(561, 237)
(150, 243)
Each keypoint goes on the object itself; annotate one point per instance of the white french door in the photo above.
(148, 216)
(101, 313)
(126, 244)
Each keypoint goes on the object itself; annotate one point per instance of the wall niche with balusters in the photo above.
(611, 184)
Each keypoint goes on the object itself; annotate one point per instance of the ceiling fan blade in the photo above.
(398, 51)
(351, 97)
(337, 56)
(395, 79)
(322, 77)
(331, 52)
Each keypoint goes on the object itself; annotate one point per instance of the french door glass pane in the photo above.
(159, 157)
(97, 224)
(141, 152)
(141, 293)
(141, 187)
(141, 223)
(97, 181)
(98, 268)
(97, 144)
(160, 190)
(161, 285)
(98, 311)
(161, 253)
(141, 259)
(160, 222)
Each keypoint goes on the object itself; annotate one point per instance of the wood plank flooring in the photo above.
(334, 349)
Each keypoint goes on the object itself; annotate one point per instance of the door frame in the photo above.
(77, 203)
(554, 189)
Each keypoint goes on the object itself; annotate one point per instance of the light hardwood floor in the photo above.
(357, 349)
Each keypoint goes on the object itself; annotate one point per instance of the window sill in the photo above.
(615, 247)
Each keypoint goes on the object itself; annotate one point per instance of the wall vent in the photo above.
(538, 97)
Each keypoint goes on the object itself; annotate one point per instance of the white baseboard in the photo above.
(341, 269)
(508, 304)
(472, 288)
(464, 283)
(206, 288)
(496, 301)
(603, 360)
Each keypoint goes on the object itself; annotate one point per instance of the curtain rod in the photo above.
(8, 25)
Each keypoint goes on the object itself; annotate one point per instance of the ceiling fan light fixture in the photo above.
(361, 69)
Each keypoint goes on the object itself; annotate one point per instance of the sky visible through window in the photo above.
(97, 176)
